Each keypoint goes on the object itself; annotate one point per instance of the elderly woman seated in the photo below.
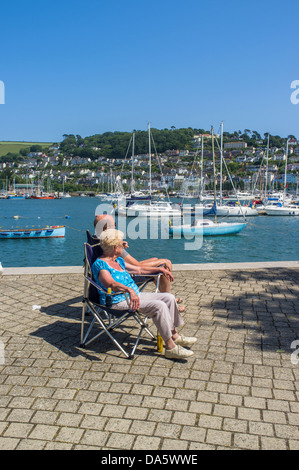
(162, 308)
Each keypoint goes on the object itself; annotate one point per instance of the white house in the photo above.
(279, 157)
(235, 145)
(35, 154)
(79, 161)
(241, 159)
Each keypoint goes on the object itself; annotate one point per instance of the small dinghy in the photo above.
(53, 231)
(207, 227)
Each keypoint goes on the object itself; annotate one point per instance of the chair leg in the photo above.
(83, 320)
(83, 341)
(105, 329)
(157, 285)
(144, 325)
(111, 325)
(136, 342)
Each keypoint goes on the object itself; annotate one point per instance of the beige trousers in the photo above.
(161, 308)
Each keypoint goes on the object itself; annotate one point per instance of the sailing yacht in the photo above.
(232, 207)
(207, 227)
(152, 208)
(236, 210)
(127, 200)
(285, 207)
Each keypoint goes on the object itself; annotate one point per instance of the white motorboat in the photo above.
(154, 208)
(241, 196)
(279, 209)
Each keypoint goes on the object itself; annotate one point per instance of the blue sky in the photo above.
(86, 67)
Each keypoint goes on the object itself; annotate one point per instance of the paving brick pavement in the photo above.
(239, 390)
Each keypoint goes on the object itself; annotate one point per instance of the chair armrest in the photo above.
(143, 279)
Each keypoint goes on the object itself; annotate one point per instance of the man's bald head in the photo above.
(103, 222)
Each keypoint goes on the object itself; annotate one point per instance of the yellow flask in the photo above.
(109, 298)
(159, 343)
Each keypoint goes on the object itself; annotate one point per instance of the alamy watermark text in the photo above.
(295, 94)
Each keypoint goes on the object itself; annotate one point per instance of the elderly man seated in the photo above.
(110, 271)
(103, 222)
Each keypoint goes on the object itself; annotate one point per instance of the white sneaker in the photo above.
(187, 341)
(178, 353)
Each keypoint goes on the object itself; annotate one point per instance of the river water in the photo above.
(265, 238)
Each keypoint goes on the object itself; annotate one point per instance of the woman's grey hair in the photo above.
(110, 238)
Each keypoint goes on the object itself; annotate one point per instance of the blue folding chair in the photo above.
(104, 316)
(140, 280)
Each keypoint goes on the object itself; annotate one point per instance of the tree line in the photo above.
(116, 144)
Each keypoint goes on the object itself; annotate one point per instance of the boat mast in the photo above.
(214, 168)
(221, 158)
(266, 182)
(201, 170)
(132, 175)
(150, 159)
(285, 173)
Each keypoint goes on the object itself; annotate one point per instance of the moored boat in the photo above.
(207, 227)
(229, 210)
(44, 196)
(236, 210)
(282, 210)
(15, 196)
(52, 231)
(159, 208)
(284, 206)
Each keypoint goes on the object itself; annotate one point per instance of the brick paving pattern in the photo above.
(239, 390)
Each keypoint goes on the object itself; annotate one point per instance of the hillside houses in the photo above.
(180, 167)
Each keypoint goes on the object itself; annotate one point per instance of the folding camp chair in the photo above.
(104, 316)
